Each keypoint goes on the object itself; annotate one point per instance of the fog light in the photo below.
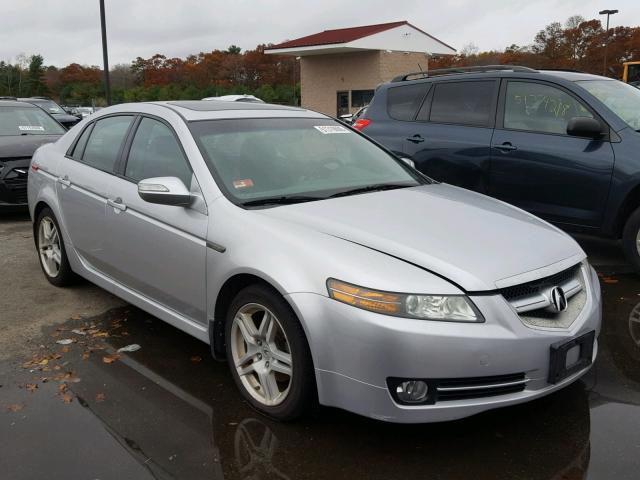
(412, 391)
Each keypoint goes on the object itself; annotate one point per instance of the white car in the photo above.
(236, 98)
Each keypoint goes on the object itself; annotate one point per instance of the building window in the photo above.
(361, 98)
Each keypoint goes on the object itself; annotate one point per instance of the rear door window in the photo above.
(105, 141)
(403, 101)
(464, 103)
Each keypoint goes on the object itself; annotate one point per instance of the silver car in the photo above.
(321, 266)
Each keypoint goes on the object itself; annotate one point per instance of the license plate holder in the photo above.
(558, 368)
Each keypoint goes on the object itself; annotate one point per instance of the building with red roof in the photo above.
(340, 69)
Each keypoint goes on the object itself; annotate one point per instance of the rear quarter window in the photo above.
(403, 101)
(464, 103)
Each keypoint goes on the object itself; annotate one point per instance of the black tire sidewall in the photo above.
(302, 391)
(65, 275)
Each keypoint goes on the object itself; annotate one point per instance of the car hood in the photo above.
(474, 241)
(16, 146)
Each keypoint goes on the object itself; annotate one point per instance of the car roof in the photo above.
(192, 110)
(16, 103)
(517, 72)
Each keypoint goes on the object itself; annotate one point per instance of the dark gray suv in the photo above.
(563, 145)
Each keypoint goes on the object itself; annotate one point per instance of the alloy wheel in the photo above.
(261, 354)
(49, 247)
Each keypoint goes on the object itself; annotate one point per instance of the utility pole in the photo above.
(608, 13)
(105, 56)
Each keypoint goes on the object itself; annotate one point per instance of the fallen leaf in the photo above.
(100, 397)
(44, 361)
(15, 407)
(78, 331)
(110, 358)
(196, 359)
(67, 398)
(65, 341)
(134, 347)
(75, 317)
(31, 387)
(65, 349)
(85, 356)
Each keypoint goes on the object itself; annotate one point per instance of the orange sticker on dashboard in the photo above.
(246, 183)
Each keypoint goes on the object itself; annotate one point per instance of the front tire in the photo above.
(51, 252)
(268, 354)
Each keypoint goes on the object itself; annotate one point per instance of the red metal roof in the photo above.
(341, 35)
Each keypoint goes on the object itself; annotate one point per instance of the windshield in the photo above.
(296, 159)
(49, 105)
(27, 121)
(622, 99)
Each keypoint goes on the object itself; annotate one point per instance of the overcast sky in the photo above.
(66, 31)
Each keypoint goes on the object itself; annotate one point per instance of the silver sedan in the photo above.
(321, 266)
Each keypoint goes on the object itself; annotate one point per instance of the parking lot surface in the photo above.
(71, 406)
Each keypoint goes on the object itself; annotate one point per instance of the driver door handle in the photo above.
(416, 138)
(64, 181)
(117, 204)
(505, 147)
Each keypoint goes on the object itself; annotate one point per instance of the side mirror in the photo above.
(348, 118)
(584, 127)
(164, 191)
(408, 161)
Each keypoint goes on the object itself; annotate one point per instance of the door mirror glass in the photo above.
(164, 191)
(584, 127)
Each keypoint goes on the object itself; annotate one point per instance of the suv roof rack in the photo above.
(458, 70)
(7, 97)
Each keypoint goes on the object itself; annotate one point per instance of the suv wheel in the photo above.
(268, 354)
(51, 252)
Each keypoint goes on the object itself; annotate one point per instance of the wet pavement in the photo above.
(81, 410)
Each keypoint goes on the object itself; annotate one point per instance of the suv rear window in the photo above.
(465, 103)
(403, 102)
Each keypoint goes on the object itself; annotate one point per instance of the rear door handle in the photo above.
(117, 204)
(505, 147)
(416, 139)
(64, 181)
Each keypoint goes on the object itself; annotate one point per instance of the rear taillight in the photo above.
(361, 123)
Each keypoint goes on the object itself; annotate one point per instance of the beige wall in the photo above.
(322, 76)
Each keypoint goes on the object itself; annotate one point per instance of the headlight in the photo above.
(452, 308)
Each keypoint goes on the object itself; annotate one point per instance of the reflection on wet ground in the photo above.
(169, 411)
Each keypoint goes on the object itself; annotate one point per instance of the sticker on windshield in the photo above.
(246, 183)
(31, 128)
(327, 129)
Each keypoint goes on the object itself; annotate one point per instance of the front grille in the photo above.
(15, 185)
(537, 286)
(532, 300)
(479, 387)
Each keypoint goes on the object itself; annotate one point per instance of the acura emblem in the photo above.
(558, 299)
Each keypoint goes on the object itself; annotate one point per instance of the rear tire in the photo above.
(261, 352)
(51, 252)
(631, 240)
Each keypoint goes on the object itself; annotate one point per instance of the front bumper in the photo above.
(356, 351)
(13, 183)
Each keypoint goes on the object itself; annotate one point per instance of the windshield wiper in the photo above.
(285, 200)
(370, 188)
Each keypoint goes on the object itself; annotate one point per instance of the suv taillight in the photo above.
(361, 123)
